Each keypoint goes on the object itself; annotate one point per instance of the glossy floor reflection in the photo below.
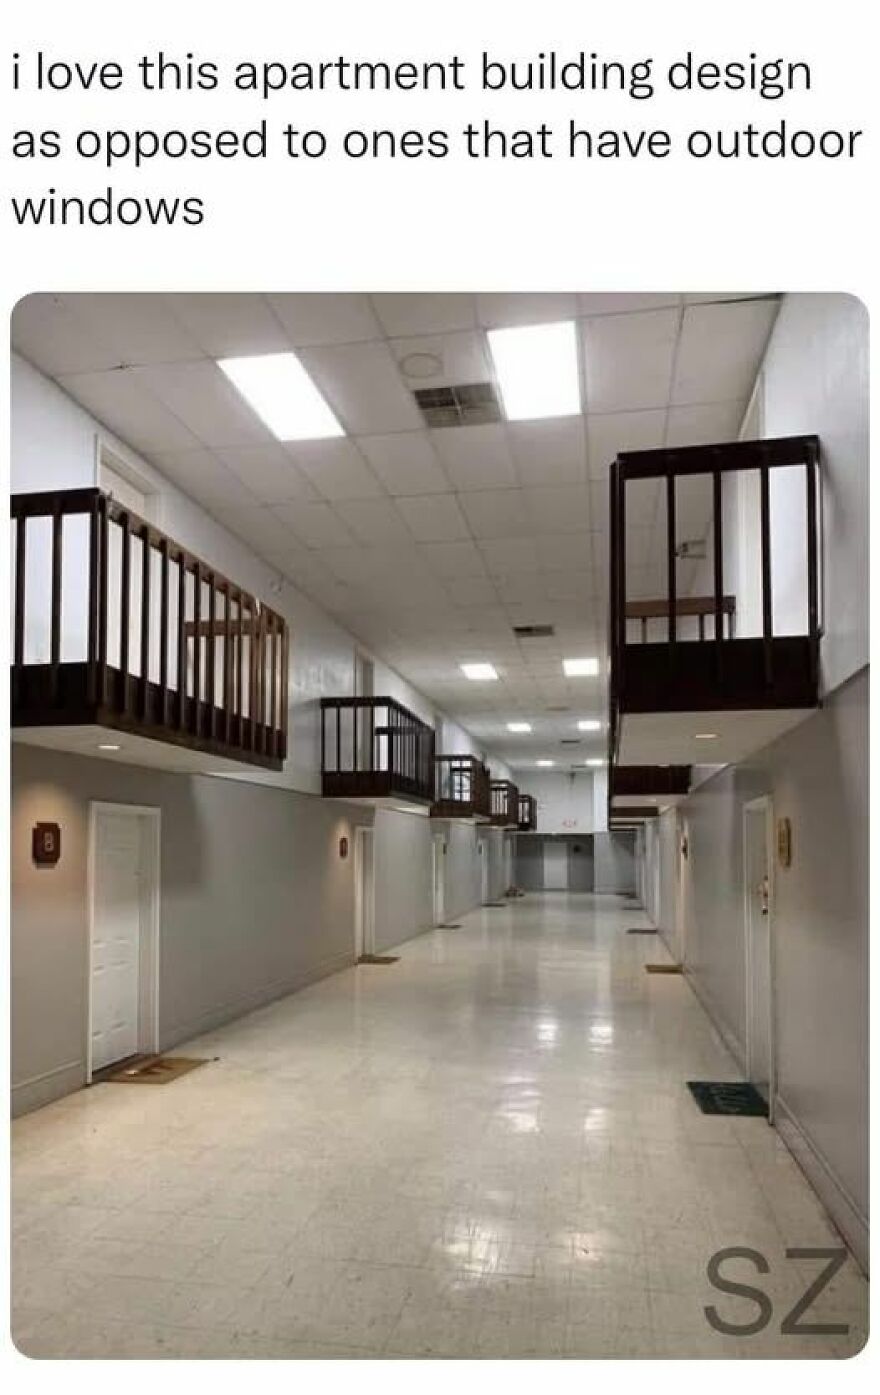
(484, 1150)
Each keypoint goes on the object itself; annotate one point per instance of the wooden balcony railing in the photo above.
(629, 781)
(765, 664)
(375, 748)
(505, 804)
(461, 788)
(116, 624)
(528, 813)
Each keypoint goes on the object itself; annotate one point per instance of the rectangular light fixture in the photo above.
(545, 763)
(595, 762)
(590, 725)
(280, 391)
(580, 668)
(519, 726)
(479, 673)
(537, 370)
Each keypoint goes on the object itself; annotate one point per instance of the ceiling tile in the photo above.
(563, 552)
(565, 510)
(626, 302)
(336, 469)
(495, 310)
(402, 313)
(405, 462)
(434, 518)
(316, 318)
(510, 556)
(269, 472)
(358, 564)
(119, 400)
(226, 325)
(721, 350)
(472, 591)
(460, 358)
(315, 525)
(375, 522)
(257, 525)
(496, 513)
(205, 401)
(476, 457)
(619, 431)
(205, 478)
(46, 331)
(141, 328)
(453, 559)
(363, 386)
(549, 452)
(699, 426)
(628, 360)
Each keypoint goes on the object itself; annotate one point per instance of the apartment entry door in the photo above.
(365, 894)
(438, 847)
(757, 835)
(123, 962)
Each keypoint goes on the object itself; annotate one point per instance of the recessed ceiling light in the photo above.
(519, 726)
(706, 736)
(595, 762)
(108, 746)
(545, 763)
(537, 370)
(589, 725)
(283, 395)
(479, 673)
(580, 668)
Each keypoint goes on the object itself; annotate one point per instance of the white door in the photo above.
(758, 918)
(483, 847)
(116, 937)
(555, 866)
(364, 933)
(439, 853)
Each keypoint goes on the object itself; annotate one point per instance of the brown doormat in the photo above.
(157, 1070)
(663, 969)
(642, 930)
(379, 959)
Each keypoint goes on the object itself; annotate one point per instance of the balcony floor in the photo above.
(85, 738)
(670, 738)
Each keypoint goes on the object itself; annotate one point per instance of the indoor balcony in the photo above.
(528, 813)
(461, 789)
(643, 786)
(714, 599)
(126, 645)
(375, 751)
(505, 804)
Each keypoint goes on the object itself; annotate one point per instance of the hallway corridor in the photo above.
(486, 1149)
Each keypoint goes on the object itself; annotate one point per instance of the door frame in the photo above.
(763, 804)
(363, 839)
(149, 949)
(438, 878)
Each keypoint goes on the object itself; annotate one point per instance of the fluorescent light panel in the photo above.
(580, 668)
(537, 370)
(519, 726)
(479, 673)
(545, 763)
(595, 762)
(280, 391)
(590, 725)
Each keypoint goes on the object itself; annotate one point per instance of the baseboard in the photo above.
(841, 1207)
(234, 1008)
(54, 1084)
(731, 1040)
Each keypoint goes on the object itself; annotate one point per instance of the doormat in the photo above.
(492, 905)
(642, 930)
(663, 969)
(451, 925)
(378, 958)
(728, 1097)
(157, 1070)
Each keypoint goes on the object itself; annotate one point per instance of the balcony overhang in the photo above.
(461, 790)
(375, 751)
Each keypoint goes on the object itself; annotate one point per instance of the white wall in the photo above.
(565, 800)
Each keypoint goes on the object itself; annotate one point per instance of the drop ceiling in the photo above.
(429, 545)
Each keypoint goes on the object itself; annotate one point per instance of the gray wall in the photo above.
(818, 778)
(529, 862)
(614, 862)
(255, 901)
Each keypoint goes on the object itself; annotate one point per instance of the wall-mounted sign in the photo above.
(343, 847)
(783, 842)
(46, 844)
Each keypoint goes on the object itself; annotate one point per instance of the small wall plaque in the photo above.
(783, 842)
(343, 848)
(46, 844)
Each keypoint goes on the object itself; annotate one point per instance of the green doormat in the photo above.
(728, 1097)
(663, 969)
(378, 958)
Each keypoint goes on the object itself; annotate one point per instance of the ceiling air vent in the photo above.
(558, 709)
(570, 741)
(464, 404)
(534, 631)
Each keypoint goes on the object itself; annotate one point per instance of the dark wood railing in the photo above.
(118, 625)
(375, 748)
(724, 671)
(505, 804)
(628, 781)
(528, 813)
(461, 788)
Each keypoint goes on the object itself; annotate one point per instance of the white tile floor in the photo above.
(485, 1150)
